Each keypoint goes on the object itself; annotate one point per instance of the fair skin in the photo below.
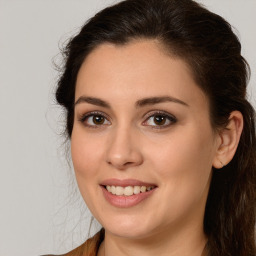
(139, 115)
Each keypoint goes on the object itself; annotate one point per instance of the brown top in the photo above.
(89, 248)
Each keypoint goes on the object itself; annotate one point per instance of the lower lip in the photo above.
(126, 201)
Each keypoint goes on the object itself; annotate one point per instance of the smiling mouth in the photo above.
(128, 190)
(126, 193)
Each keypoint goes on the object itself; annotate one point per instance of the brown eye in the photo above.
(160, 120)
(94, 120)
(98, 120)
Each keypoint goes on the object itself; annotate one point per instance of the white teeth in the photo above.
(136, 190)
(127, 191)
(119, 191)
(143, 189)
(113, 190)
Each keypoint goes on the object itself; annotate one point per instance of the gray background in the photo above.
(40, 209)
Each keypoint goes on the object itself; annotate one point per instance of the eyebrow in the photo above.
(139, 103)
(93, 101)
(156, 100)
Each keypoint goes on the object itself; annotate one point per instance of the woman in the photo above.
(162, 136)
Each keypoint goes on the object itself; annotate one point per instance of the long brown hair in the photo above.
(213, 52)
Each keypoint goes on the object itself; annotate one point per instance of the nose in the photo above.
(124, 150)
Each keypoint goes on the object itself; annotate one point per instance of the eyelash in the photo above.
(153, 114)
(86, 116)
(168, 117)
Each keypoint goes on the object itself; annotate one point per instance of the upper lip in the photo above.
(126, 183)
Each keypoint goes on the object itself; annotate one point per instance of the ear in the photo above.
(228, 140)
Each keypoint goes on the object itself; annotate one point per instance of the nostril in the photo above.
(128, 163)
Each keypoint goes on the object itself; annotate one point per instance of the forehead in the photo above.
(137, 69)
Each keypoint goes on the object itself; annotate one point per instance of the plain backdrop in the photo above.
(40, 210)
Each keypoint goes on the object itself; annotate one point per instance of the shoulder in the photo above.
(89, 248)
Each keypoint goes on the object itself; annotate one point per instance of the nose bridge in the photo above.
(123, 150)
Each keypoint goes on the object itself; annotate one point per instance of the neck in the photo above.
(186, 243)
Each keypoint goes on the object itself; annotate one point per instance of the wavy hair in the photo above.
(206, 42)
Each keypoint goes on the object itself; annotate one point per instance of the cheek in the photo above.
(86, 153)
(182, 150)
(184, 163)
(183, 169)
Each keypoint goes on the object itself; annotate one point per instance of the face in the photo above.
(142, 143)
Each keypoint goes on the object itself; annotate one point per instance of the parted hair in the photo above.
(207, 43)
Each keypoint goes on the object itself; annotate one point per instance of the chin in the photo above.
(129, 233)
(128, 227)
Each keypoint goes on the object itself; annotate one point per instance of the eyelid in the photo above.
(160, 112)
(153, 113)
(147, 116)
(83, 117)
